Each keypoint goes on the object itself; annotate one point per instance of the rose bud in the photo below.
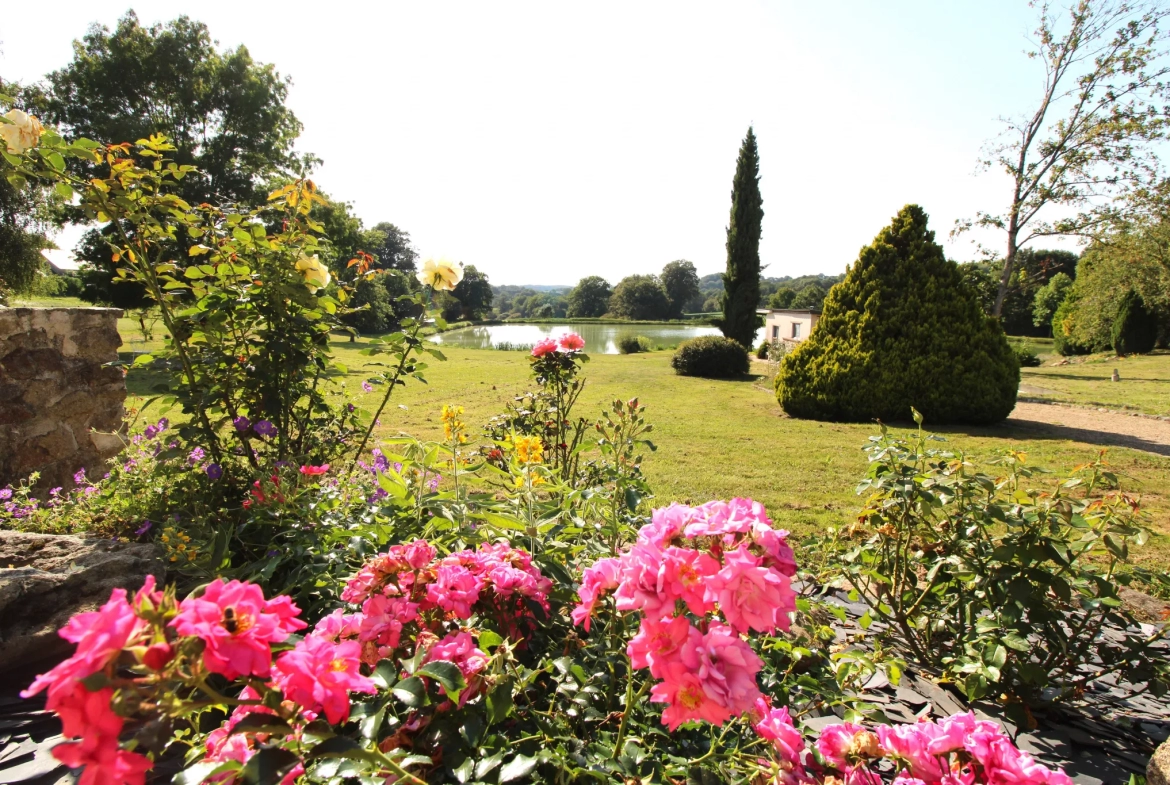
(157, 656)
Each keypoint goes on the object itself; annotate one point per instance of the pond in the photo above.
(599, 338)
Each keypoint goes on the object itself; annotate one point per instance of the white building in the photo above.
(789, 325)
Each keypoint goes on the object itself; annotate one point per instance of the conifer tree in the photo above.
(902, 330)
(741, 282)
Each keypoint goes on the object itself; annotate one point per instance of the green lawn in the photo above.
(1144, 385)
(718, 439)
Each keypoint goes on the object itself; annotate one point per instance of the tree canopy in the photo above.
(590, 297)
(680, 281)
(639, 297)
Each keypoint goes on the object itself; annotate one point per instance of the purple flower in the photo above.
(265, 429)
(398, 467)
(196, 456)
(90, 489)
(163, 422)
(128, 465)
(150, 432)
(242, 423)
(380, 461)
(367, 387)
(214, 471)
(6, 493)
(143, 529)
(433, 483)
(56, 491)
(350, 407)
(378, 494)
(79, 478)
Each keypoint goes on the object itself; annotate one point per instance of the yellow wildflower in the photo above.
(529, 450)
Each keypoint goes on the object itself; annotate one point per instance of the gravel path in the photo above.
(1109, 429)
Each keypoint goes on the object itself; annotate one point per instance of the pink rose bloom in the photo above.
(419, 554)
(836, 741)
(750, 596)
(85, 713)
(459, 648)
(148, 594)
(571, 342)
(950, 733)
(683, 691)
(775, 544)
(100, 637)
(728, 668)
(338, 625)
(508, 580)
(455, 590)
(320, 675)
(1003, 764)
(666, 523)
(910, 744)
(640, 583)
(600, 577)
(776, 726)
(543, 347)
(906, 779)
(383, 619)
(661, 641)
(684, 575)
(238, 626)
(105, 762)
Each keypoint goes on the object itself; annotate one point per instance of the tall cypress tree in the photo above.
(741, 282)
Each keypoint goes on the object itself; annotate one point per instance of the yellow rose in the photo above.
(441, 274)
(316, 274)
(21, 132)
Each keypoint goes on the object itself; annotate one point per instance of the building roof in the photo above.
(61, 261)
(802, 311)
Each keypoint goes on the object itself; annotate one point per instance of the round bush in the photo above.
(632, 344)
(901, 331)
(1135, 330)
(712, 356)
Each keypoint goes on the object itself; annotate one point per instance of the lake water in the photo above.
(599, 338)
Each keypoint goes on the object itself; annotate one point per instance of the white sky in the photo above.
(544, 142)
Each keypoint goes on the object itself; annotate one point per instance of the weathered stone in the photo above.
(1158, 769)
(1143, 606)
(46, 578)
(61, 407)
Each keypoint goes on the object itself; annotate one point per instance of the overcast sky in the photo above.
(544, 142)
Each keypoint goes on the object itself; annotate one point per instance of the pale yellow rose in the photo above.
(22, 132)
(316, 274)
(440, 274)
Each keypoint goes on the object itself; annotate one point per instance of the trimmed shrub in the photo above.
(1135, 330)
(1025, 358)
(901, 331)
(711, 356)
(633, 344)
(762, 351)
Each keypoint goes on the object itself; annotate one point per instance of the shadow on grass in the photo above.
(1021, 428)
(1102, 378)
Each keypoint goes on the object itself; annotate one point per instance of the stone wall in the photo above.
(60, 410)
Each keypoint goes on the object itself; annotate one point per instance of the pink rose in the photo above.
(600, 577)
(728, 668)
(750, 596)
(237, 626)
(318, 674)
(100, 637)
(546, 346)
(682, 689)
(640, 583)
(684, 575)
(459, 648)
(666, 523)
(570, 342)
(383, 619)
(776, 726)
(910, 744)
(455, 590)
(1003, 764)
(339, 625)
(104, 761)
(661, 641)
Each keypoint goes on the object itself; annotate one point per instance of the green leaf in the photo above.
(518, 767)
(144, 359)
(384, 674)
(1016, 642)
(258, 722)
(199, 772)
(64, 191)
(499, 701)
(1117, 546)
(446, 674)
(342, 747)
(268, 767)
(55, 160)
(488, 640)
(411, 691)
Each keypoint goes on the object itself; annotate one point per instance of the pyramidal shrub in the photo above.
(901, 331)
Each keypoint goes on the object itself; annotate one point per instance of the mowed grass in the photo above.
(719, 439)
(1144, 385)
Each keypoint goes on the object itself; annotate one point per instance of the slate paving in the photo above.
(1100, 740)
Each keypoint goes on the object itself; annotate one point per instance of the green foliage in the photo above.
(811, 296)
(1135, 329)
(633, 344)
(680, 281)
(639, 297)
(711, 356)
(590, 297)
(741, 281)
(1032, 272)
(1025, 357)
(997, 579)
(901, 331)
(1048, 298)
(391, 248)
(474, 294)
(376, 304)
(782, 298)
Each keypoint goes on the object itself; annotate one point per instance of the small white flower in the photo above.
(22, 132)
(441, 274)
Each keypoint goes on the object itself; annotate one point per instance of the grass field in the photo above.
(718, 439)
